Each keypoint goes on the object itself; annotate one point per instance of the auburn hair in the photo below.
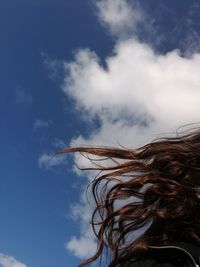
(157, 184)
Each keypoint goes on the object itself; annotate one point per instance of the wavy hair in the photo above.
(157, 184)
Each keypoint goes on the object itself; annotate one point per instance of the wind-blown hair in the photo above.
(158, 184)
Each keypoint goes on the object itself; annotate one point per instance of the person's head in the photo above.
(156, 185)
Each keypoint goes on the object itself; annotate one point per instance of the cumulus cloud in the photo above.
(138, 96)
(137, 87)
(85, 244)
(82, 247)
(120, 17)
(9, 261)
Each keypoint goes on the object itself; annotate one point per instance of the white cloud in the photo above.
(47, 161)
(140, 95)
(9, 261)
(82, 247)
(152, 89)
(119, 16)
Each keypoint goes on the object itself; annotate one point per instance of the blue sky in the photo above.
(83, 72)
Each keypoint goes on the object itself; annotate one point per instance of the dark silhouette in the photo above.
(158, 185)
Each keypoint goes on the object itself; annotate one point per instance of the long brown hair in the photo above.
(158, 185)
